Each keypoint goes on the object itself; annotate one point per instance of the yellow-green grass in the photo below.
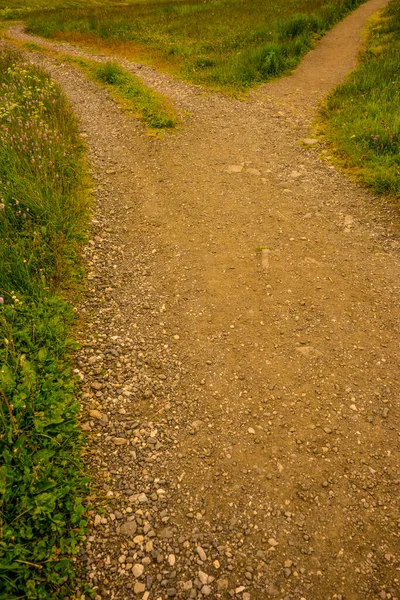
(14, 9)
(43, 219)
(224, 44)
(362, 116)
(150, 107)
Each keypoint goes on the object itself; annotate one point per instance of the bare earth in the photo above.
(240, 351)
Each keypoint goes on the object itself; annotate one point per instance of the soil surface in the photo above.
(240, 352)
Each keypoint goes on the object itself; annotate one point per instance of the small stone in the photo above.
(201, 553)
(139, 539)
(196, 425)
(120, 441)
(222, 584)
(240, 589)
(310, 141)
(353, 407)
(171, 560)
(139, 588)
(348, 220)
(288, 563)
(96, 385)
(216, 564)
(97, 520)
(272, 542)
(128, 528)
(188, 585)
(171, 592)
(203, 577)
(246, 596)
(327, 430)
(206, 590)
(137, 570)
(142, 498)
(251, 430)
(287, 573)
(96, 414)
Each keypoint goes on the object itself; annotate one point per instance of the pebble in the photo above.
(288, 563)
(201, 553)
(171, 560)
(139, 588)
(138, 570)
(120, 441)
(203, 577)
(96, 414)
(272, 542)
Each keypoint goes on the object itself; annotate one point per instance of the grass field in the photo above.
(362, 117)
(43, 216)
(224, 44)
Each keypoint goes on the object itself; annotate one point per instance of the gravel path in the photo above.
(240, 358)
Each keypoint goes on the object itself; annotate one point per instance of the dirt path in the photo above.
(326, 66)
(240, 358)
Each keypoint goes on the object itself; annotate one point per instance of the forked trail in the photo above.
(240, 350)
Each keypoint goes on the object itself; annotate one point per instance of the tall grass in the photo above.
(362, 116)
(42, 221)
(227, 44)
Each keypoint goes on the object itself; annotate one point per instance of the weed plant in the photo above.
(362, 116)
(225, 44)
(42, 221)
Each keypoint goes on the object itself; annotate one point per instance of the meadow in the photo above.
(43, 218)
(362, 116)
(227, 45)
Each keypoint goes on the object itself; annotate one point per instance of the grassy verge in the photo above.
(43, 213)
(225, 44)
(362, 116)
(150, 107)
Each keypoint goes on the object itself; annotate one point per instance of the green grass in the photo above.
(15, 9)
(43, 214)
(362, 116)
(224, 44)
(152, 108)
